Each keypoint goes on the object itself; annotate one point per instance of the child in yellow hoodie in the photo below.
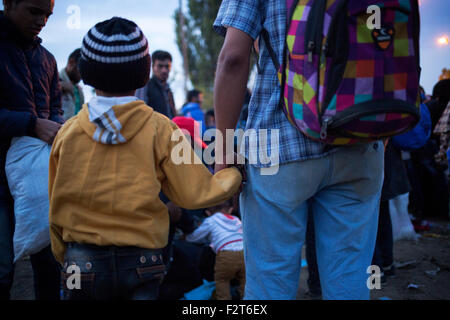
(108, 165)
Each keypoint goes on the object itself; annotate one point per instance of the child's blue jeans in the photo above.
(111, 273)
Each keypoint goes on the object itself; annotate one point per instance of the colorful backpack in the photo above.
(343, 82)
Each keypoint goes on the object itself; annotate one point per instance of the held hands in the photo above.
(237, 159)
(46, 130)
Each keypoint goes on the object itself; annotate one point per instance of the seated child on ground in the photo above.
(224, 231)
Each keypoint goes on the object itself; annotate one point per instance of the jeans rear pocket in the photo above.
(151, 273)
(77, 285)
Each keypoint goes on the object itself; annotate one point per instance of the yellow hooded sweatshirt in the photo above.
(106, 175)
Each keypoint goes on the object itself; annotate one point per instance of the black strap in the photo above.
(255, 54)
(266, 38)
(272, 54)
(285, 54)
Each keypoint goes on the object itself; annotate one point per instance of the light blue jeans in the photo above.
(343, 190)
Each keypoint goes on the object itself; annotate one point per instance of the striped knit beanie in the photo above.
(115, 56)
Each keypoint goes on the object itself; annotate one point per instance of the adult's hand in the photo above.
(46, 130)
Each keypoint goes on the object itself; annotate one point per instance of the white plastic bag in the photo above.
(402, 227)
(27, 172)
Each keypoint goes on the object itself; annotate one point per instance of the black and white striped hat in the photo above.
(115, 56)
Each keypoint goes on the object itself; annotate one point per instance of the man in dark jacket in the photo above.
(30, 105)
(157, 93)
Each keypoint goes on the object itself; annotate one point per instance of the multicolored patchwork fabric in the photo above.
(344, 82)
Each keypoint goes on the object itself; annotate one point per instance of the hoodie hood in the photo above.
(228, 222)
(110, 121)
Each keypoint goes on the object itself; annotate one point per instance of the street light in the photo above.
(442, 41)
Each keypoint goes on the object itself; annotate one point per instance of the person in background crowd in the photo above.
(439, 100)
(192, 131)
(157, 93)
(193, 108)
(210, 122)
(442, 129)
(224, 232)
(73, 97)
(210, 119)
(430, 195)
(30, 105)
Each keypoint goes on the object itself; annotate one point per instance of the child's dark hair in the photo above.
(223, 206)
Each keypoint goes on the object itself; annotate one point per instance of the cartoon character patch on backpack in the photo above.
(383, 37)
(342, 82)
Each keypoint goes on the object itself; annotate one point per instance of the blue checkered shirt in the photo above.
(250, 16)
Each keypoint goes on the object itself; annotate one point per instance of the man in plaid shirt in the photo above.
(342, 186)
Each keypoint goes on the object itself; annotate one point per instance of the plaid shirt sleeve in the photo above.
(240, 14)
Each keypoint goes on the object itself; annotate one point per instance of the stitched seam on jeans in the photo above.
(144, 270)
(83, 276)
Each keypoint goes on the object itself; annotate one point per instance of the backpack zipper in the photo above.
(324, 128)
(328, 49)
(311, 47)
(373, 107)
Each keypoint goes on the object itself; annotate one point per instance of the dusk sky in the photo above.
(155, 17)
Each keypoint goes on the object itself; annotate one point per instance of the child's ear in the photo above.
(230, 210)
(208, 212)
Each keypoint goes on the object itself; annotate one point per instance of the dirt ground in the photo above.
(418, 264)
(427, 265)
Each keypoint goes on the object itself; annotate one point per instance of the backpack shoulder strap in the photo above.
(266, 38)
(273, 56)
